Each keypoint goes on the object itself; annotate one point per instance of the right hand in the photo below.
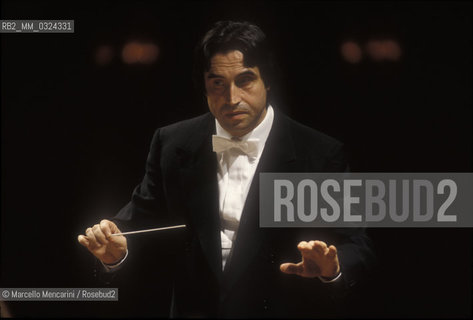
(100, 243)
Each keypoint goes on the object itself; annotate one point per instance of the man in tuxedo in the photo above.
(204, 173)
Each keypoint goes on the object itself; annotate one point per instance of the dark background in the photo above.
(75, 135)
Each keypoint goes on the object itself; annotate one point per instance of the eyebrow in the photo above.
(212, 75)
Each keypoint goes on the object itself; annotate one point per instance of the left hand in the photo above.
(317, 260)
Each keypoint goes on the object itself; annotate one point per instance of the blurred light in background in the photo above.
(380, 50)
(140, 52)
(104, 55)
(351, 52)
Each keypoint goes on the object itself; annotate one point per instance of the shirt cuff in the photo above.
(330, 280)
(115, 266)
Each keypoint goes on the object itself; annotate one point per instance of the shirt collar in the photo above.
(261, 132)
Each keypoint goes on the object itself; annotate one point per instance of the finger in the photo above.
(320, 247)
(83, 240)
(307, 251)
(332, 251)
(91, 238)
(292, 268)
(99, 235)
(114, 228)
(110, 228)
(303, 246)
(106, 227)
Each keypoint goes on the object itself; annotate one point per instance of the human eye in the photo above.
(218, 83)
(244, 81)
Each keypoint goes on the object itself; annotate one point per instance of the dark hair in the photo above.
(226, 36)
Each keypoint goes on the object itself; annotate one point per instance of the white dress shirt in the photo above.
(235, 174)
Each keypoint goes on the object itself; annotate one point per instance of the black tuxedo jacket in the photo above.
(180, 186)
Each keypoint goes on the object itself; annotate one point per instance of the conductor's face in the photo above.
(236, 94)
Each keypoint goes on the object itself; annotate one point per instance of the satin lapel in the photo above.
(199, 179)
(278, 156)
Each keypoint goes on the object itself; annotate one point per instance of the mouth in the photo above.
(235, 115)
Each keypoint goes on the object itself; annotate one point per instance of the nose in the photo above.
(233, 95)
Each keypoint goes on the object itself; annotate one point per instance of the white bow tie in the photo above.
(249, 147)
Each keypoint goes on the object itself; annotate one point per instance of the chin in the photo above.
(236, 126)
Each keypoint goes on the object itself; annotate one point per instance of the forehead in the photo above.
(227, 62)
